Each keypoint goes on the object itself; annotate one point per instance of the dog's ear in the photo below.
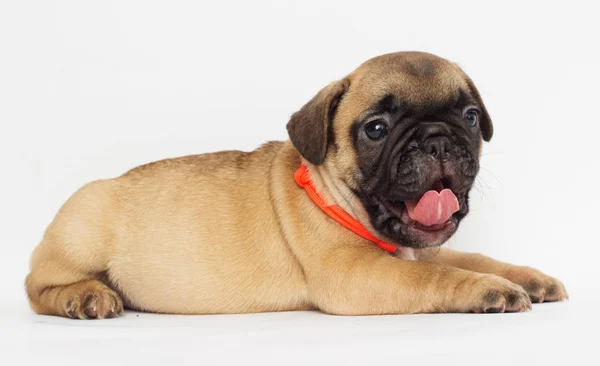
(310, 126)
(485, 122)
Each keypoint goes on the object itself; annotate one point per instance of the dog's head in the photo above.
(403, 132)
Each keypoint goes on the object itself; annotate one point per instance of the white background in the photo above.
(90, 89)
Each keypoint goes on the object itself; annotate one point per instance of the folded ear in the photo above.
(485, 122)
(309, 127)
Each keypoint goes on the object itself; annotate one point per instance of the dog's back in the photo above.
(133, 233)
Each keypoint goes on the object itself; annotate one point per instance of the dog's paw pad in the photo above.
(93, 303)
(540, 287)
(493, 294)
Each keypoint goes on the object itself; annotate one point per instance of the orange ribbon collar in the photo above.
(302, 177)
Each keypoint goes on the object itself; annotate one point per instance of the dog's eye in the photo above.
(376, 130)
(471, 117)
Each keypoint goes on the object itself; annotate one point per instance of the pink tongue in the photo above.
(433, 208)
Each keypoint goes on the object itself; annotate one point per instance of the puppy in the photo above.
(347, 217)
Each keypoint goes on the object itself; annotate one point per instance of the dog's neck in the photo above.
(336, 192)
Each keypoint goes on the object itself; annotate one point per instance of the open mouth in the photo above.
(431, 212)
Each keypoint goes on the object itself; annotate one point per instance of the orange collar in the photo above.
(302, 177)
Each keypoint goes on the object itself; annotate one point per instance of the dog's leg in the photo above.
(363, 282)
(73, 256)
(539, 286)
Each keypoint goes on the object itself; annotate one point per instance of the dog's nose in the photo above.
(438, 147)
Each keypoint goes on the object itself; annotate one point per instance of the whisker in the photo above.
(482, 180)
(492, 153)
(477, 187)
(491, 173)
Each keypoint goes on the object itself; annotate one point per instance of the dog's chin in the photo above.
(393, 221)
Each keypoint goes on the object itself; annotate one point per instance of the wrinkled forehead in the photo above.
(418, 82)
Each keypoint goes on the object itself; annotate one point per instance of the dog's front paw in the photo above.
(494, 294)
(540, 287)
